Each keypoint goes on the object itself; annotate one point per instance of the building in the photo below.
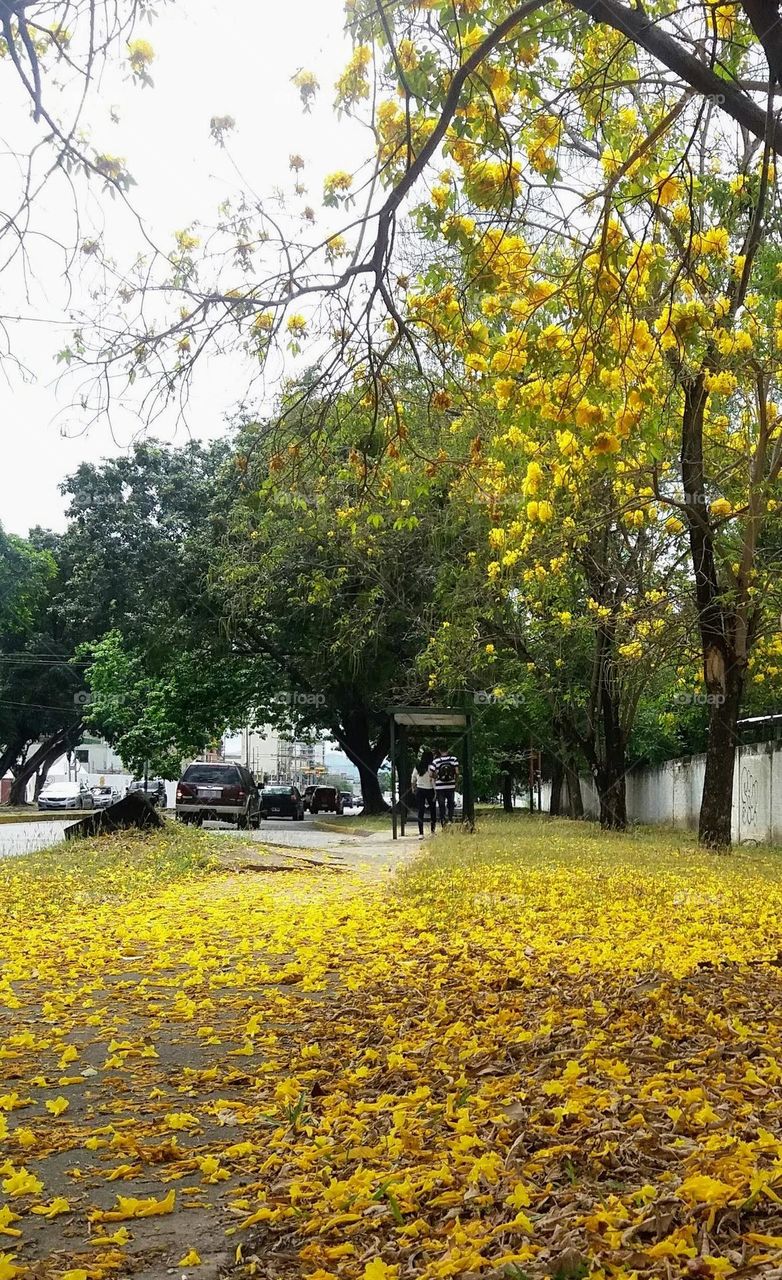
(273, 757)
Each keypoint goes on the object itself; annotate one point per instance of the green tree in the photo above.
(41, 691)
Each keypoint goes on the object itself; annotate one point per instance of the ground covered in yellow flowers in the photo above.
(538, 1052)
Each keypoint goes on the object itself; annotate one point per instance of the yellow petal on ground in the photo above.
(702, 1189)
(58, 1205)
(8, 1268)
(57, 1105)
(191, 1259)
(121, 1236)
(181, 1120)
(377, 1269)
(7, 1216)
(22, 1183)
(131, 1207)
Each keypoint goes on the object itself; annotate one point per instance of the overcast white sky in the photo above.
(206, 65)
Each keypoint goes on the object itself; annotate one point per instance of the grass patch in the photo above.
(358, 825)
(78, 873)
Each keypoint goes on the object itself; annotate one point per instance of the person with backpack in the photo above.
(423, 788)
(446, 774)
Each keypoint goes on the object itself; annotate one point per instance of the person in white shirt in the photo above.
(423, 787)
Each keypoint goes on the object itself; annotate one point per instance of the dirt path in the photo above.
(165, 1030)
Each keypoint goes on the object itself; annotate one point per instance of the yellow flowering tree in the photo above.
(597, 183)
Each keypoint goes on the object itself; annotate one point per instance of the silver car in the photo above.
(102, 797)
(66, 795)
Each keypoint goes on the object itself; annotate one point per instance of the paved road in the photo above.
(26, 837)
(352, 850)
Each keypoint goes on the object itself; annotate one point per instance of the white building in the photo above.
(273, 757)
(94, 762)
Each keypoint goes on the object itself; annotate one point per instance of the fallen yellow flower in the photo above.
(8, 1268)
(58, 1205)
(57, 1105)
(702, 1189)
(22, 1183)
(191, 1259)
(130, 1207)
(7, 1216)
(121, 1236)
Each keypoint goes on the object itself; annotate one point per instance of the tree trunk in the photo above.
(609, 767)
(49, 751)
(371, 794)
(353, 737)
(42, 772)
(11, 753)
(714, 825)
(506, 771)
(723, 667)
(574, 796)
(612, 796)
(557, 778)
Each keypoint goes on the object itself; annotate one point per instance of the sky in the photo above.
(204, 66)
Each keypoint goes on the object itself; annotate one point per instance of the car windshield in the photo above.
(101, 791)
(59, 790)
(220, 775)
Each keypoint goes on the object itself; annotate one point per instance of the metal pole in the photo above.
(531, 779)
(404, 775)
(393, 776)
(468, 790)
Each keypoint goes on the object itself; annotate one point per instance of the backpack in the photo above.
(446, 771)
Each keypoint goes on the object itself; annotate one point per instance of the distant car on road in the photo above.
(66, 795)
(215, 792)
(102, 797)
(323, 800)
(282, 801)
(154, 788)
(347, 799)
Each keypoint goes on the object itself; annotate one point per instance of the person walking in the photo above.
(423, 788)
(446, 775)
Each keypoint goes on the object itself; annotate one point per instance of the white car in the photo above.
(102, 797)
(66, 795)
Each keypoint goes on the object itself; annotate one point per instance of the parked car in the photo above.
(325, 800)
(102, 797)
(282, 801)
(218, 792)
(155, 789)
(66, 795)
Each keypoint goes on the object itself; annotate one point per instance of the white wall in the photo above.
(670, 794)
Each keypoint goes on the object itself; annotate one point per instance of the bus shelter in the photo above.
(418, 726)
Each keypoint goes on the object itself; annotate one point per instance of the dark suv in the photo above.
(218, 792)
(323, 800)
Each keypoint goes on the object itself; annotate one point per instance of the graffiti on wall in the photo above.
(748, 792)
